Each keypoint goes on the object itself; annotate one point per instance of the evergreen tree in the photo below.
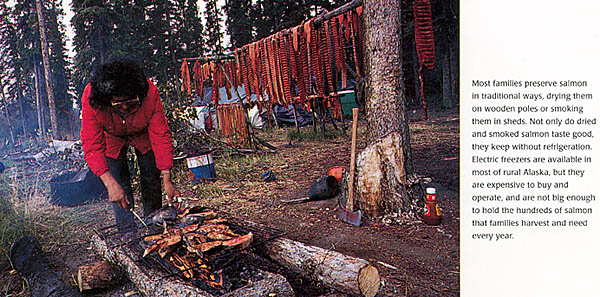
(239, 22)
(93, 23)
(214, 36)
(63, 91)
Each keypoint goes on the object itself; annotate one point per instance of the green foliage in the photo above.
(214, 36)
(239, 21)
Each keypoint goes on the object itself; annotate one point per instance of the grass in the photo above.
(310, 135)
(25, 208)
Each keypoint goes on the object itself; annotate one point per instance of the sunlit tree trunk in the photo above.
(47, 70)
(38, 99)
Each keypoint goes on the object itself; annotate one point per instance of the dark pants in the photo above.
(149, 183)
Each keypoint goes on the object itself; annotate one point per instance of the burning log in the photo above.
(97, 275)
(343, 273)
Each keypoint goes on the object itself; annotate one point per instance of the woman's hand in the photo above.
(170, 189)
(115, 191)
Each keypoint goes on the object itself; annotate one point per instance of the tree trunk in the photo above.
(353, 276)
(38, 99)
(172, 48)
(384, 169)
(7, 114)
(447, 99)
(20, 97)
(447, 92)
(47, 70)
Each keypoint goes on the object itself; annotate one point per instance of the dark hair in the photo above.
(117, 78)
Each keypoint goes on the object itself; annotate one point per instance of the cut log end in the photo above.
(98, 275)
(369, 281)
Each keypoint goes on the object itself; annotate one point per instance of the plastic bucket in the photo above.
(201, 167)
(336, 172)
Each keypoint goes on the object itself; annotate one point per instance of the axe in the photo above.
(347, 214)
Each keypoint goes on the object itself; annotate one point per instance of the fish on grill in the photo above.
(163, 243)
(166, 214)
(239, 242)
(201, 230)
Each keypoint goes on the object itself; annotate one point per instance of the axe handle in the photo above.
(350, 200)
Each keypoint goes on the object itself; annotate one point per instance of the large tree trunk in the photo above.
(7, 114)
(384, 169)
(448, 100)
(47, 70)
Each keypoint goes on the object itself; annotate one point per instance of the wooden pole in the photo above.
(296, 118)
(340, 10)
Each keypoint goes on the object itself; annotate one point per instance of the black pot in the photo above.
(76, 188)
(324, 188)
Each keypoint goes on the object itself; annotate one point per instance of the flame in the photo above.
(183, 265)
(203, 270)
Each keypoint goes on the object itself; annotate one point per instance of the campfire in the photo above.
(196, 250)
(191, 240)
(200, 252)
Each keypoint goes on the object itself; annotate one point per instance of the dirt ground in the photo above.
(414, 260)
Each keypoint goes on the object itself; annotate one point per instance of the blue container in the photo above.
(202, 168)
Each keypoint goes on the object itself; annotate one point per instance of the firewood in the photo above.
(97, 275)
(346, 274)
(151, 282)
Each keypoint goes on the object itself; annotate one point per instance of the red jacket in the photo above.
(100, 131)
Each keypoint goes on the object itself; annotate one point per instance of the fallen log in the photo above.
(97, 275)
(349, 275)
(27, 258)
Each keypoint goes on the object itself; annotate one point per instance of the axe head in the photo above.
(350, 217)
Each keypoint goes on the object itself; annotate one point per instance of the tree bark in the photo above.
(386, 162)
(447, 92)
(353, 276)
(47, 70)
(20, 97)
